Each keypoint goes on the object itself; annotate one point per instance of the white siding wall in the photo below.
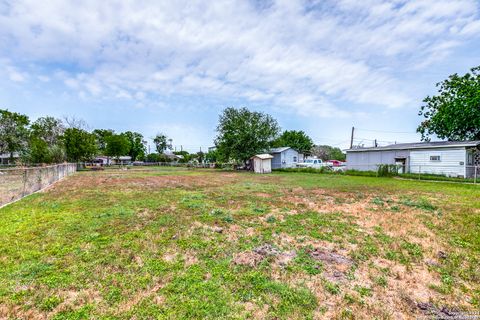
(449, 163)
(262, 166)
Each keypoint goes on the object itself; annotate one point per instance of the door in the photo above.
(401, 163)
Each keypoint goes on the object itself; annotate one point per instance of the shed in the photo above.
(285, 157)
(450, 158)
(262, 163)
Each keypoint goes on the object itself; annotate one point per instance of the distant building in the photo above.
(123, 160)
(262, 163)
(285, 157)
(102, 160)
(450, 158)
(106, 161)
(5, 158)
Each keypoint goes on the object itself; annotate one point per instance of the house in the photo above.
(285, 157)
(262, 163)
(102, 160)
(5, 158)
(450, 158)
(123, 160)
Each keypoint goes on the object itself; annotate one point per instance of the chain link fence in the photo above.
(16, 183)
(466, 173)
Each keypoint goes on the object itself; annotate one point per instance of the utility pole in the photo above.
(351, 138)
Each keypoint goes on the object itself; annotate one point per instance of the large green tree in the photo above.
(45, 143)
(297, 140)
(80, 145)
(49, 129)
(117, 145)
(242, 133)
(102, 135)
(454, 113)
(13, 132)
(137, 147)
(160, 142)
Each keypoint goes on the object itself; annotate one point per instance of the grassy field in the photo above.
(201, 244)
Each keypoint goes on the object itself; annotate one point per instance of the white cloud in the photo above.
(292, 55)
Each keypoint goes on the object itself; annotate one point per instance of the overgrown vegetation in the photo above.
(390, 171)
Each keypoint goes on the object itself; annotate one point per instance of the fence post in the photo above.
(475, 175)
(24, 181)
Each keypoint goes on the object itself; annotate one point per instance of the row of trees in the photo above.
(241, 133)
(52, 140)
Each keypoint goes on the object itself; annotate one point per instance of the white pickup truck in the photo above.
(311, 163)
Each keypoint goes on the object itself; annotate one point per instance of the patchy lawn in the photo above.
(202, 244)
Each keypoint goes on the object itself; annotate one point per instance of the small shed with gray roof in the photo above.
(450, 158)
(262, 163)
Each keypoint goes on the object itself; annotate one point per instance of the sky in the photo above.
(172, 66)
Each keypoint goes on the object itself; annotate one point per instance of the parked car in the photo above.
(335, 163)
(311, 163)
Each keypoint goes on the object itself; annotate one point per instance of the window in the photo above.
(470, 158)
(294, 159)
(434, 158)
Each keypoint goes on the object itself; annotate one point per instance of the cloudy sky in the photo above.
(318, 66)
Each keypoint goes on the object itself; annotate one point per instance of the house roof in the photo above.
(263, 156)
(278, 150)
(420, 145)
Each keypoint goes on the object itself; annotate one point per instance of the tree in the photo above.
(297, 140)
(328, 153)
(211, 156)
(186, 157)
(454, 113)
(200, 156)
(160, 142)
(243, 133)
(137, 146)
(101, 135)
(45, 141)
(117, 145)
(80, 145)
(13, 132)
(49, 129)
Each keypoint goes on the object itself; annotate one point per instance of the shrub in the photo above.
(387, 170)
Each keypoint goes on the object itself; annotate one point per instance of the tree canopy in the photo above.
(101, 136)
(241, 133)
(117, 145)
(454, 113)
(80, 145)
(49, 129)
(13, 131)
(160, 142)
(137, 147)
(325, 153)
(297, 140)
(45, 142)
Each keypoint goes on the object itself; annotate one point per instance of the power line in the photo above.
(385, 131)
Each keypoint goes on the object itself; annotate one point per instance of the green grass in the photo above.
(161, 243)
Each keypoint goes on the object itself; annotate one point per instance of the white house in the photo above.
(5, 158)
(285, 157)
(450, 158)
(262, 163)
